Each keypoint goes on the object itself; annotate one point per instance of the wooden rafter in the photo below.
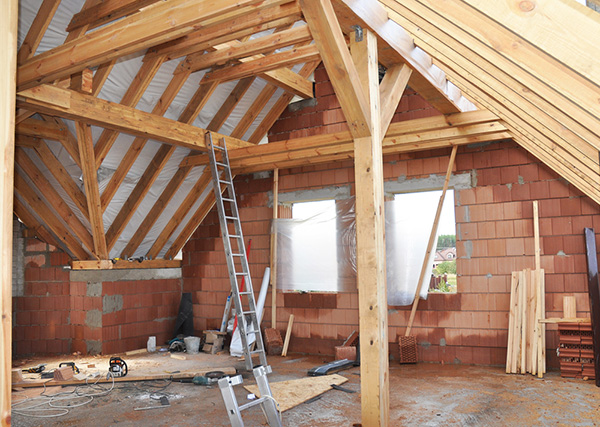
(138, 143)
(58, 171)
(157, 209)
(532, 112)
(332, 45)
(69, 142)
(90, 181)
(50, 219)
(265, 64)
(106, 11)
(100, 76)
(37, 229)
(52, 197)
(192, 197)
(255, 21)
(398, 45)
(239, 50)
(230, 103)
(132, 96)
(391, 90)
(91, 110)
(137, 194)
(166, 21)
(280, 105)
(37, 30)
(41, 129)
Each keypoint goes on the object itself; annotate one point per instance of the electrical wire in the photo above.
(51, 405)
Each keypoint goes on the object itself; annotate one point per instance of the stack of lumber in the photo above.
(526, 350)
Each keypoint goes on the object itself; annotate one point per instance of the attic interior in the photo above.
(112, 216)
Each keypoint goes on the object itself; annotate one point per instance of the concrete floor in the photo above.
(423, 395)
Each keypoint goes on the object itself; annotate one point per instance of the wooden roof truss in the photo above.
(257, 55)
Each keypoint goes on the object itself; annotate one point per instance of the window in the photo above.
(308, 248)
(413, 215)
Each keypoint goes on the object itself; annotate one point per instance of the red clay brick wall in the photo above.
(58, 316)
(494, 238)
(41, 319)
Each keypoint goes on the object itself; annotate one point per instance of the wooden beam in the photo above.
(53, 223)
(91, 110)
(69, 142)
(132, 96)
(374, 16)
(61, 175)
(556, 27)
(370, 243)
(53, 198)
(391, 90)
(412, 135)
(41, 129)
(192, 197)
(272, 62)
(106, 11)
(92, 192)
(138, 143)
(329, 38)
(101, 75)
(37, 229)
(280, 105)
(107, 264)
(82, 81)
(137, 195)
(166, 21)
(157, 209)
(8, 53)
(37, 29)
(230, 103)
(254, 22)
(252, 113)
(237, 50)
(532, 111)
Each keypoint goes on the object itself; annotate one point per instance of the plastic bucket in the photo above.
(192, 345)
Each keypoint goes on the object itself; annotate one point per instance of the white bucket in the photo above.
(151, 345)
(192, 345)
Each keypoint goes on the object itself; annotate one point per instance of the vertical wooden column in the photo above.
(370, 243)
(8, 73)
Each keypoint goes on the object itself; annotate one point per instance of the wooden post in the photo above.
(8, 74)
(431, 242)
(274, 249)
(288, 335)
(370, 245)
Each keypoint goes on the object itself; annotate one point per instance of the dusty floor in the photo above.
(423, 394)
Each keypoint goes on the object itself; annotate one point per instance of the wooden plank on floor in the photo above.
(292, 393)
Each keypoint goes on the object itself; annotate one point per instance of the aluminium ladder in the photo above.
(235, 251)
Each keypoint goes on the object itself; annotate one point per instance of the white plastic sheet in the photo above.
(309, 262)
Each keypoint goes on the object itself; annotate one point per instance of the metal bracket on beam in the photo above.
(358, 33)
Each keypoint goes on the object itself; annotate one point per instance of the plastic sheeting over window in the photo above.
(318, 252)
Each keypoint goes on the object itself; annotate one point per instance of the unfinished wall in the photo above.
(112, 311)
(494, 238)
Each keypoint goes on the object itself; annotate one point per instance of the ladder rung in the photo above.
(241, 274)
(237, 255)
(257, 351)
(245, 293)
(248, 312)
(226, 199)
(234, 236)
(232, 218)
(253, 331)
(218, 147)
(225, 165)
(222, 181)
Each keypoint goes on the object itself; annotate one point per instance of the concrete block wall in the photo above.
(494, 237)
(90, 312)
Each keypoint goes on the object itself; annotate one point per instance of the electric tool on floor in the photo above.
(35, 369)
(117, 367)
(71, 364)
